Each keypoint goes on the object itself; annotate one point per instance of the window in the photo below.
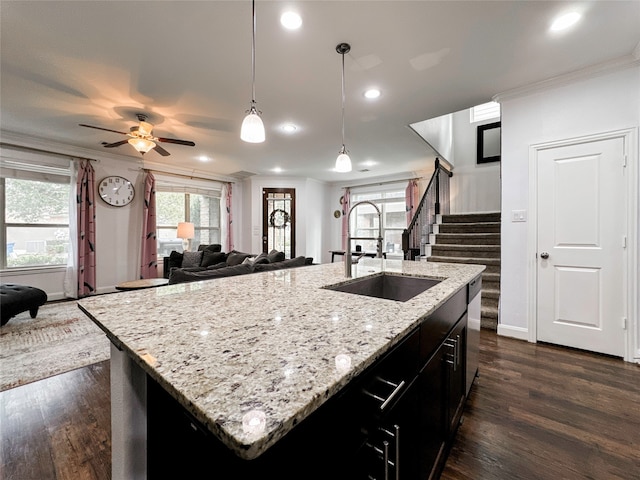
(483, 112)
(364, 219)
(202, 208)
(35, 221)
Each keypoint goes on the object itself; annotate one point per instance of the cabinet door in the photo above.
(432, 385)
(455, 348)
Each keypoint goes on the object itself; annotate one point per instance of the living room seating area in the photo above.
(210, 262)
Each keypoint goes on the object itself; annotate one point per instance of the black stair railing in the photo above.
(434, 201)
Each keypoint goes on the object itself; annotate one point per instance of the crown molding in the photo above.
(604, 68)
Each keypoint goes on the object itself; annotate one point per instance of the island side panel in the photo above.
(128, 418)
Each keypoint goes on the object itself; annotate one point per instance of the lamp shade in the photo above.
(141, 145)
(343, 163)
(186, 230)
(252, 128)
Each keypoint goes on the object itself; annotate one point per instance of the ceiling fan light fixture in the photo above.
(252, 130)
(145, 128)
(141, 145)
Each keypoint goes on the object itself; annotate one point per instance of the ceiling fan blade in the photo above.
(179, 142)
(116, 144)
(105, 129)
(161, 150)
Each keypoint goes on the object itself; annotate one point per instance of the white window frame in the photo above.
(25, 165)
(169, 184)
(381, 201)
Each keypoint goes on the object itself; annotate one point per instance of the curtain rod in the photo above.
(190, 177)
(383, 183)
(49, 152)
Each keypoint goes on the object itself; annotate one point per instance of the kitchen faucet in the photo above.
(347, 257)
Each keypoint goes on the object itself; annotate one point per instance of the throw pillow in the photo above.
(213, 247)
(260, 259)
(191, 259)
(175, 260)
(212, 258)
(275, 256)
(236, 258)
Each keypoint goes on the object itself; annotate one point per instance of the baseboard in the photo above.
(514, 332)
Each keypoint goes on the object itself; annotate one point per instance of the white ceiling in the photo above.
(187, 64)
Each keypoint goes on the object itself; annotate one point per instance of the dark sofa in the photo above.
(210, 262)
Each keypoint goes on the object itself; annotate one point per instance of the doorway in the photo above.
(279, 220)
(580, 238)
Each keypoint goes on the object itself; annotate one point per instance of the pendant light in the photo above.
(252, 130)
(343, 162)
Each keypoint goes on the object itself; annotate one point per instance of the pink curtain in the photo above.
(149, 249)
(346, 205)
(86, 229)
(412, 199)
(229, 220)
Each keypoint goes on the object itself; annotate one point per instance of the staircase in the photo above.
(472, 238)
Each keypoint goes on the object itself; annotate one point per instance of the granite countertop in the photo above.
(265, 342)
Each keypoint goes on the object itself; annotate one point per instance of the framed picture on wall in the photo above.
(488, 143)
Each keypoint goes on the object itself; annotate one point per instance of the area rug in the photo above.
(60, 339)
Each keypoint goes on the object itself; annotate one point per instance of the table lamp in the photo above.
(186, 231)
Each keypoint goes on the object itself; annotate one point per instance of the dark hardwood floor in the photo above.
(536, 412)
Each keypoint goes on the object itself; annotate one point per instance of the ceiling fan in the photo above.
(142, 138)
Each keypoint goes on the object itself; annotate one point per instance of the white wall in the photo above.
(474, 188)
(311, 220)
(438, 132)
(600, 104)
(118, 234)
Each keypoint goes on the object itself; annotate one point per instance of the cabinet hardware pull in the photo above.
(393, 394)
(388, 382)
(456, 351)
(373, 395)
(385, 445)
(397, 430)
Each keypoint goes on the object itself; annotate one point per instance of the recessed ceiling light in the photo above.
(372, 93)
(565, 21)
(289, 128)
(203, 158)
(291, 20)
(276, 170)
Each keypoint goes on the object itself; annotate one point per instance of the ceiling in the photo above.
(187, 64)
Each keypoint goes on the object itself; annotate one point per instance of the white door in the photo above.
(580, 264)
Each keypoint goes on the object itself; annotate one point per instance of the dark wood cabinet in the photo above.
(395, 421)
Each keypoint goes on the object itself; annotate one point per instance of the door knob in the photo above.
(544, 255)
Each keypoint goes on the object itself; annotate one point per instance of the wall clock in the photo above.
(116, 191)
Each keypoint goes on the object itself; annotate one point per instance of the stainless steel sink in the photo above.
(391, 287)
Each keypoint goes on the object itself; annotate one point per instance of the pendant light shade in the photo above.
(252, 130)
(252, 127)
(343, 162)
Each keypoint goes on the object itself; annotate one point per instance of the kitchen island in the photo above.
(269, 359)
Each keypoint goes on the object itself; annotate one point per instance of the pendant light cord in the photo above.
(343, 98)
(253, 54)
